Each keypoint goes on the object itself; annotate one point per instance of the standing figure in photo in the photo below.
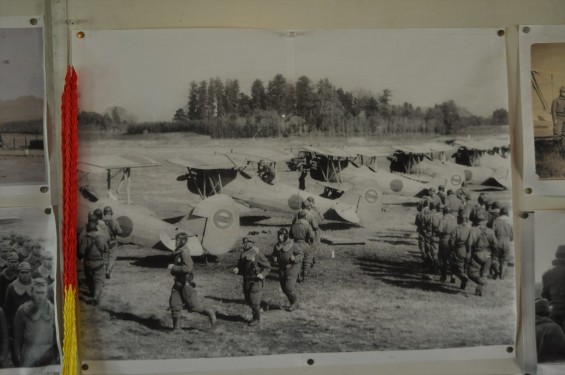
(289, 257)
(558, 116)
(254, 267)
(550, 339)
(304, 235)
(8, 275)
(553, 287)
(4, 252)
(18, 292)
(436, 216)
(446, 226)
(482, 243)
(114, 230)
(502, 227)
(265, 172)
(422, 223)
(183, 292)
(92, 250)
(459, 251)
(45, 270)
(34, 259)
(34, 329)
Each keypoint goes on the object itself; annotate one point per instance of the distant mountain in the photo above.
(21, 109)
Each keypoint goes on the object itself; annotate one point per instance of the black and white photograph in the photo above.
(28, 319)
(252, 193)
(548, 108)
(22, 106)
(549, 255)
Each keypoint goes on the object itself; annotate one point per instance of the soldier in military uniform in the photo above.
(92, 250)
(265, 172)
(454, 203)
(34, 259)
(34, 329)
(436, 216)
(4, 340)
(421, 216)
(183, 292)
(553, 287)
(289, 257)
(558, 115)
(482, 243)
(4, 252)
(302, 233)
(45, 270)
(18, 292)
(502, 227)
(114, 230)
(8, 275)
(254, 267)
(446, 226)
(460, 252)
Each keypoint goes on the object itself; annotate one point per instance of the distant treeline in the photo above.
(26, 127)
(281, 108)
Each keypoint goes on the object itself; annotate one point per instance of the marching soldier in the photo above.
(502, 227)
(446, 226)
(436, 217)
(92, 250)
(45, 270)
(422, 217)
(34, 259)
(302, 233)
(254, 267)
(34, 329)
(114, 230)
(441, 193)
(482, 243)
(459, 253)
(289, 257)
(454, 203)
(183, 291)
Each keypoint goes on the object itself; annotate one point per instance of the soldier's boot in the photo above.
(256, 318)
(212, 316)
(463, 284)
(293, 303)
(176, 324)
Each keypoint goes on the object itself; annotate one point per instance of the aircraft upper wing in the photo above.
(425, 148)
(92, 163)
(329, 151)
(208, 161)
(376, 151)
(265, 154)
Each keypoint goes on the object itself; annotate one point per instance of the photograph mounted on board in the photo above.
(549, 260)
(548, 108)
(22, 107)
(261, 192)
(28, 319)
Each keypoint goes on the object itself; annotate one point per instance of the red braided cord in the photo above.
(69, 155)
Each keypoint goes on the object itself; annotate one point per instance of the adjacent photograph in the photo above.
(549, 258)
(22, 106)
(28, 318)
(548, 108)
(245, 193)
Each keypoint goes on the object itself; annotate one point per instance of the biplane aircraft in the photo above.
(432, 159)
(490, 153)
(235, 174)
(335, 167)
(213, 223)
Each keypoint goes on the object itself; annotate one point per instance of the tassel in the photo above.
(69, 143)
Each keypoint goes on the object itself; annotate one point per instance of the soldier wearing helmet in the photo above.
(435, 216)
(304, 235)
(481, 245)
(289, 256)
(8, 275)
(4, 252)
(447, 225)
(92, 250)
(254, 267)
(265, 172)
(114, 230)
(502, 227)
(18, 292)
(35, 257)
(183, 292)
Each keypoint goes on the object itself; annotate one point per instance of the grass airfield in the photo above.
(371, 297)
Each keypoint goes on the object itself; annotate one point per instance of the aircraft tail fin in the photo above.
(217, 221)
(366, 198)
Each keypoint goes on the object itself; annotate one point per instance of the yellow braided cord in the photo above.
(70, 353)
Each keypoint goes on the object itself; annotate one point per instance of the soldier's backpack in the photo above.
(482, 243)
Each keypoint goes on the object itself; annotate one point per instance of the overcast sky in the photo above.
(21, 63)
(148, 72)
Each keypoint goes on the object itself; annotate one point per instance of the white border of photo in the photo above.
(530, 34)
(40, 189)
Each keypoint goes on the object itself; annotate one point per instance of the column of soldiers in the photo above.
(459, 238)
(97, 248)
(27, 313)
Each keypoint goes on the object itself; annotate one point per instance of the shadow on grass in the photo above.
(151, 261)
(402, 273)
(396, 238)
(336, 225)
(151, 323)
